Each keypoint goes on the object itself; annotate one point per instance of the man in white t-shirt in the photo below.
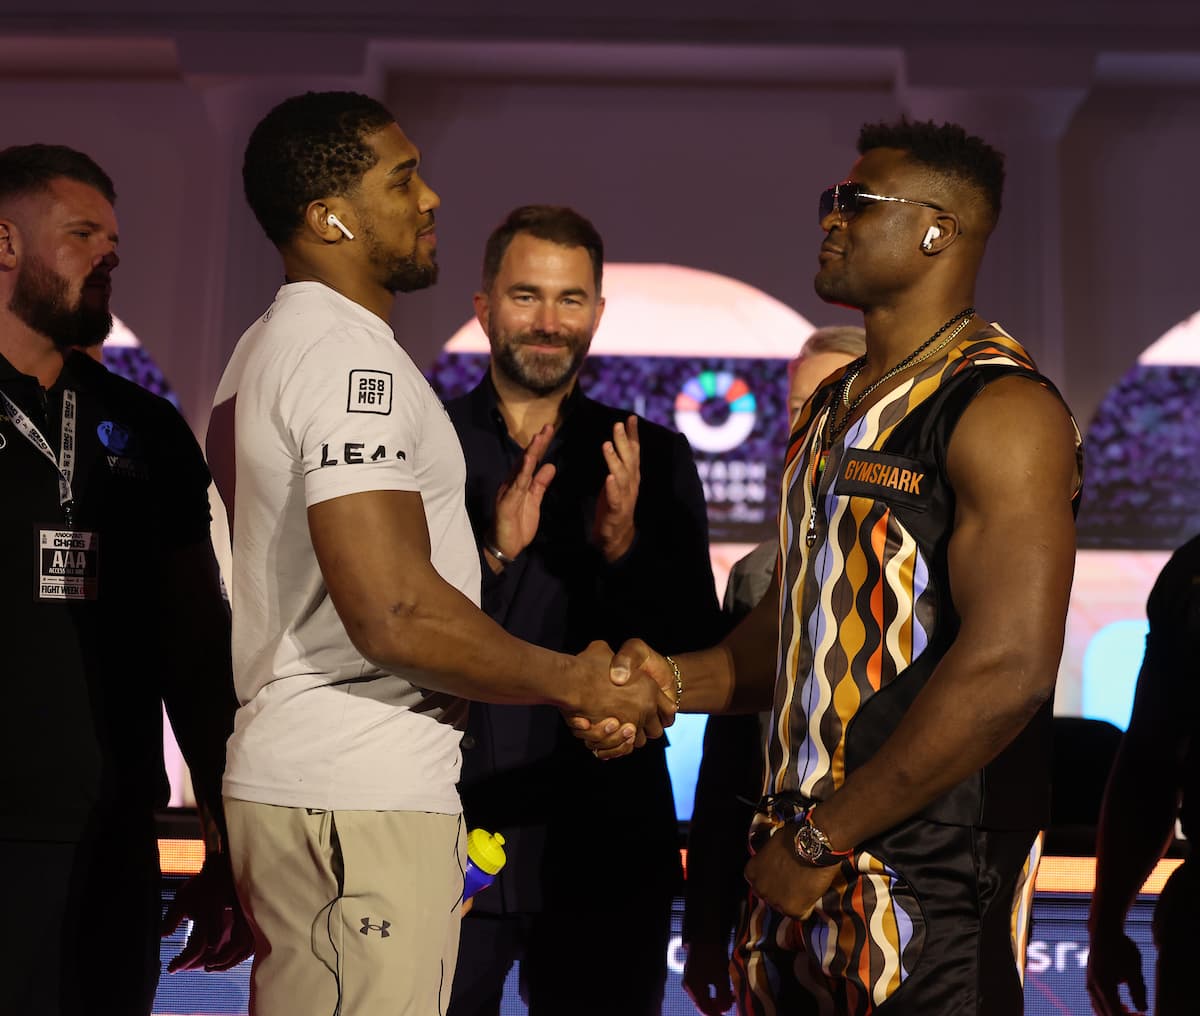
(357, 634)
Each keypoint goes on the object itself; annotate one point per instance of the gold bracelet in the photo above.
(678, 680)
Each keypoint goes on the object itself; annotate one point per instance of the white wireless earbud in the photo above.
(931, 234)
(333, 220)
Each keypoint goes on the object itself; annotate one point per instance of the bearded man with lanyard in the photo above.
(111, 607)
(910, 646)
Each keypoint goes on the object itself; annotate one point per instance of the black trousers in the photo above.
(608, 956)
(80, 928)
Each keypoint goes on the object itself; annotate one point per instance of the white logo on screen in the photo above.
(727, 394)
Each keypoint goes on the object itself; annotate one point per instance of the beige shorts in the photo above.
(355, 913)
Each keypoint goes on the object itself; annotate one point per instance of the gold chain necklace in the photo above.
(923, 352)
(831, 432)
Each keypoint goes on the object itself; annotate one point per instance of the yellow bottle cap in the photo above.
(486, 850)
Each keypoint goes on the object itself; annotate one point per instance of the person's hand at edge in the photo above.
(706, 977)
(220, 938)
(1113, 960)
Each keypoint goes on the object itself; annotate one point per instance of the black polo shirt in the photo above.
(83, 712)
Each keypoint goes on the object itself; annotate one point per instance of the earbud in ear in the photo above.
(931, 234)
(337, 223)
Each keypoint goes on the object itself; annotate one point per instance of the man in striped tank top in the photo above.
(911, 641)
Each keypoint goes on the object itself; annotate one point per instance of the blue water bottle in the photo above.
(485, 858)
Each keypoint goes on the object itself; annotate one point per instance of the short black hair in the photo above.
(26, 169)
(555, 223)
(310, 146)
(946, 149)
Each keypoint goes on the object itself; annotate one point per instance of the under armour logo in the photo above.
(368, 927)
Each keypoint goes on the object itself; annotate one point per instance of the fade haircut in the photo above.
(309, 147)
(27, 169)
(946, 149)
(555, 223)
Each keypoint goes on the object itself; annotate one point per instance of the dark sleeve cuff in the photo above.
(626, 561)
(497, 589)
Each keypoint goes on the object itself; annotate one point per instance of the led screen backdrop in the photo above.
(1141, 500)
(1143, 451)
(123, 354)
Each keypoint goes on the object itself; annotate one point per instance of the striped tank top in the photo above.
(866, 611)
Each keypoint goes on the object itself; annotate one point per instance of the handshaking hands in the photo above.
(627, 698)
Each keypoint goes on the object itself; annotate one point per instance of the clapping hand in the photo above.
(519, 501)
(613, 531)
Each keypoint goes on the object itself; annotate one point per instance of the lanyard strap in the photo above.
(64, 462)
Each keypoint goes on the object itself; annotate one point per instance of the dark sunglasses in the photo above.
(848, 199)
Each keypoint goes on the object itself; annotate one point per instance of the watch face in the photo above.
(808, 844)
(813, 848)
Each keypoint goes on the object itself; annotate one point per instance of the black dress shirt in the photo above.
(562, 812)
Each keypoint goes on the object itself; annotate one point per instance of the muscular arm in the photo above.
(373, 550)
(1012, 465)
(736, 676)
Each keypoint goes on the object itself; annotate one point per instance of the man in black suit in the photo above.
(591, 525)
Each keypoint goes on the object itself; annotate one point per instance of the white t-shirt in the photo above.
(329, 404)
